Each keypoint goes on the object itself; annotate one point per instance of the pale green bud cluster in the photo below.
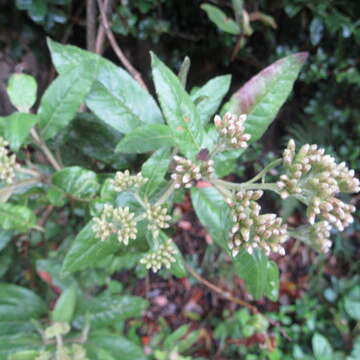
(232, 130)
(115, 221)
(124, 180)
(252, 230)
(186, 173)
(57, 329)
(158, 218)
(317, 178)
(163, 256)
(319, 235)
(8, 163)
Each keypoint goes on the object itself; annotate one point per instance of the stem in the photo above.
(263, 172)
(28, 171)
(41, 143)
(245, 186)
(117, 48)
(220, 291)
(235, 300)
(90, 25)
(166, 194)
(20, 183)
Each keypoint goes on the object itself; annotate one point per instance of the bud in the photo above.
(123, 181)
(8, 163)
(317, 178)
(57, 329)
(158, 219)
(231, 130)
(119, 221)
(78, 352)
(186, 173)
(163, 256)
(253, 230)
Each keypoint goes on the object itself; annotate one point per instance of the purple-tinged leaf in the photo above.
(264, 94)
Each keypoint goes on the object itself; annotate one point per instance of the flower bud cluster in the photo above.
(123, 181)
(186, 173)
(252, 230)
(118, 221)
(163, 256)
(317, 178)
(8, 163)
(158, 218)
(232, 131)
(319, 235)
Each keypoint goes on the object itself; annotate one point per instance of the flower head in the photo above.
(316, 179)
(252, 230)
(186, 173)
(8, 163)
(158, 218)
(123, 181)
(231, 130)
(163, 256)
(119, 221)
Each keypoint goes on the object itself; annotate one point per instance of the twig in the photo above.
(235, 300)
(117, 48)
(41, 143)
(100, 38)
(221, 292)
(91, 25)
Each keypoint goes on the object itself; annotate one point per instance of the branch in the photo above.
(222, 292)
(235, 300)
(90, 25)
(119, 53)
(41, 143)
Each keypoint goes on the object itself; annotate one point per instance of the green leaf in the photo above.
(178, 108)
(211, 95)
(107, 310)
(87, 251)
(213, 213)
(5, 237)
(116, 98)
(352, 303)
(220, 19)
(154, 168)
(77, 182)
(65, 306)
(264, 94)
(273, 281)
(22, 91)
(16, 217)
(6, 258)
(146, 138)
(257, 273)
(321, 347)
(91, 137)
(117, 346)
(63, 98)
(18, 303)
(17, 127)
(20, 342)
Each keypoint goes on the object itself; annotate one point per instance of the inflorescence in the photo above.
(163, 256)
(158, 219)
(232, 131)
(252, 230)
(8, 163)
(115, 221)
(186, 174)
(316, 179)
(124, 181)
